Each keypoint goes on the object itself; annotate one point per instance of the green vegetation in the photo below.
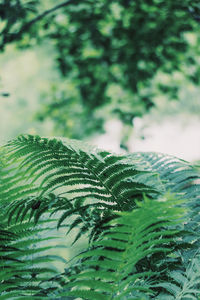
(142, 241)
(108, 58)
(78, 222)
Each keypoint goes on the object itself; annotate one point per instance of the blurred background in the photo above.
(123, 75)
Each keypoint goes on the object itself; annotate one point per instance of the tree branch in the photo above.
(11, 37)
(45, 13)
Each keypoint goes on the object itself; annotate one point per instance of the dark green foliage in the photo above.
(142, 242)
(107, 53)
(110, 51)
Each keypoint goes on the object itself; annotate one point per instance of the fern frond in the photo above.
(183, 179)
(86, 188)
(109, 266)
(24, 258)
(76, 171)
(179, 175)
(183, 284)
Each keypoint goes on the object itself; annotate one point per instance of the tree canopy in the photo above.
(107, 53)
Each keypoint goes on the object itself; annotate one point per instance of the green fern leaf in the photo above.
(118, 253)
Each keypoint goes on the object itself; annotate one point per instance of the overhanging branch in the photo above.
(11, 37)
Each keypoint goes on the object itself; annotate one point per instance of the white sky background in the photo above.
(173, 136)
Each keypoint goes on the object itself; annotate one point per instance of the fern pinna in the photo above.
(134, 246)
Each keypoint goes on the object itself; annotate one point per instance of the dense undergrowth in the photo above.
(138, 215)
